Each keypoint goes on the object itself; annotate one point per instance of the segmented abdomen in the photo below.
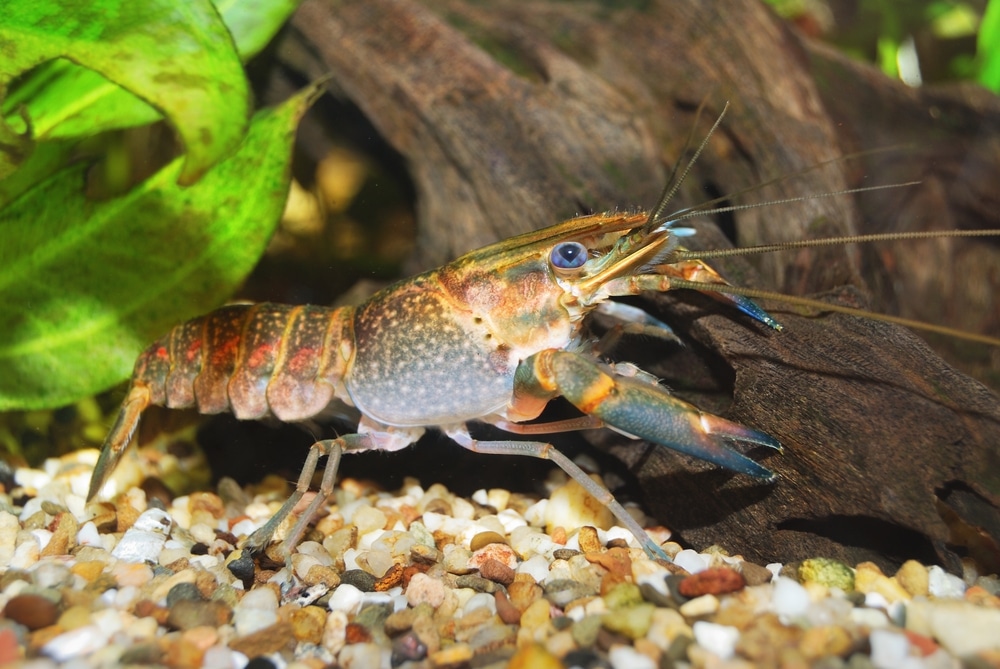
(253, 360)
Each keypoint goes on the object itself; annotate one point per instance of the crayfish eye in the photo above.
(568, 255)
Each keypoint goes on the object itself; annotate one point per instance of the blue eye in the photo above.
(568, 255)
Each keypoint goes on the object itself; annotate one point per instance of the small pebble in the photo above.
(717, 639)
(626, 657)
(789, 599)
(424, 589)
(32, 611)
(146, 537)
(346, 598)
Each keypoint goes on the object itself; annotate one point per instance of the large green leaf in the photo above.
(177, 56)
(85, 285)
(66, 100)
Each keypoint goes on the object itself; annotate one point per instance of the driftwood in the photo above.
(512, 116)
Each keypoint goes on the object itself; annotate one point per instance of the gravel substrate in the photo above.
(422, 578)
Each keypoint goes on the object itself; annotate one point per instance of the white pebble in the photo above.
(775, 569)
(889, 649)
(316, 550)
(481, 600)
(511, 520)
(692, 561)
(626, 657)
(346, 598)
(536, 566)
(961, 627)
(350, 557)
(789, 598)
(258, 609)
(223, 657)
(619, 532)
(80, 641)
(146, 538)
(379, 562)
(718, 639)
(88, 535)
(26, 554)
(528, 541)
(942, 584)
(462, 509)
(9, 527)
(43, 537)
(535, 514)
(873, 618)
(368, 519)
(700, 606)
(362, 656)
(244, 528)
(335, 631)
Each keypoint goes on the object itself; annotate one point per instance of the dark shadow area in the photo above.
(895, 542)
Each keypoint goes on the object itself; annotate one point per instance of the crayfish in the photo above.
(492, 337)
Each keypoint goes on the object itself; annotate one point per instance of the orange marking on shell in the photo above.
(226, 351)
(261, 355)
(193, 350)
(596, 394)
(302, 359)
(162, 353)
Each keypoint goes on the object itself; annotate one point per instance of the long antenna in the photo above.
(821, 306)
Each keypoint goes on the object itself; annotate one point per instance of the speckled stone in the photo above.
(264, 641)
(826, 572)
(562, 591)
(360, 579)
(189, 613)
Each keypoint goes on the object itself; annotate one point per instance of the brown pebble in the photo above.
(125, 517)
(754, 574)
(393, 577)
(399, 621)
(409, 572)
(188, 652)
(32, 611)
(425, 554)
(508, 612)
(558, 535)
(496, 571)
(190, 613)
(485, 539)
(64, 528)
(357, 633)
(207, 501)
(158, 490)
(318, 573)
(266, 641)
(524, 592)
(712, 581)
(146, 607)
(618, 562)
(308, 624)
(589, 541)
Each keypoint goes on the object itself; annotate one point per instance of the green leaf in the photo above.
(988, 47)
(66, 100)
(86, 285)
(177, 56)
